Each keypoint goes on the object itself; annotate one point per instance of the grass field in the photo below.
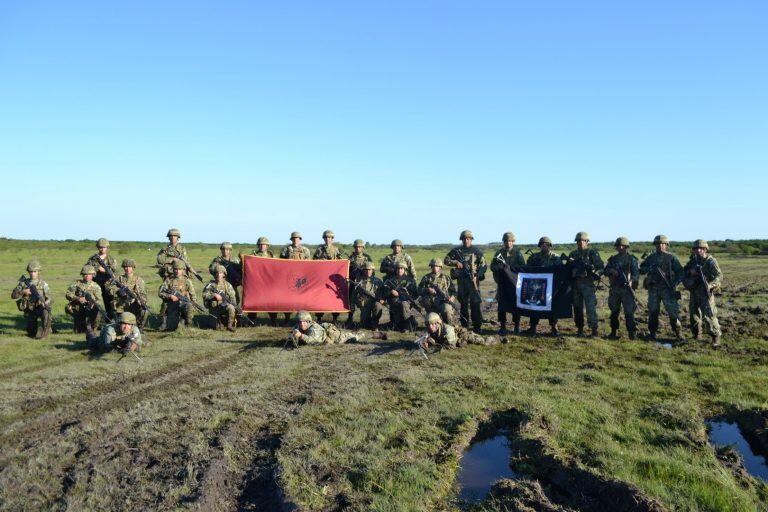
(226, 421)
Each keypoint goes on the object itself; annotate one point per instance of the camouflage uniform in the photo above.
(290, 252)
(102, 276)
(389, 263)
(85, 318)
(357, 263)
(440, 302)
(171, 311)
(225, 314)
(264, 254)
(585, 263)
(544, 259)
(321, 333)
(449, 337)
(123, 302)
(468, 280)
(366, 294)
(702, 297)
(621, 293)
(655, 265)
(402, 311)
(167, 254)
(328, 251)
(512, 258)
(112, 336)
(34, 310)
(232, 265)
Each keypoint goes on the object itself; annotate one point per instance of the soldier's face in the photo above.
(358, 249)
(33, 274)
(700, 252)
(125, 328)
(435, 269)
(433, 327)
(662, 247)
(621, 248)
(128, 271)
(178, 271)
(368, 272)
(303, 325)
(173, 239)
(400, 271)
(226, 252)
(509, 244)
(219, 276)
(263, 247)
(467, 242)
(328, 240)
(296, 241)
(87, 277)
(582, 244)
(102, 250)
(397, 249)
(545, 247)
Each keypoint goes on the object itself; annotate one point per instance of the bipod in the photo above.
(420, 347)
(290, 341)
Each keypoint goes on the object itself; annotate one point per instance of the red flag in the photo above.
(291, 285)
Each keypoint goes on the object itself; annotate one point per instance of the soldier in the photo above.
(220, 299)
(624, 274)
(470, 268)
(544, 258)
(357, 263)
(585, 267)
(437, 292)
(177, 293)
(313, 333)
(401, 292)
(123, 335)
(702, 279)
(106, 267)
(33, 298)
(663, 273)
(388, 267)
(86, 306)
(328, 251)
(294, 251)
(446, 336)
(130, 293)
(367, 297)
(506, 257)
(263, 251)
(232, 264)
(171, 253)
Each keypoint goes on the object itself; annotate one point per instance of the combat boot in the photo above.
(516, 330)
(652, 336)
(614, 334)
(531, 331)
(580, 332)
(594, 333)
(715, 340)
(554, 331)
(231, 324)
(503, 329)
(632, 335)
(679, 335)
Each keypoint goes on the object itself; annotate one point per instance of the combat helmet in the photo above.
(395, 242)
(466, 234)
(508, 236)
(359, 243)
(303, 316)
(545, 240)
(126, 318)
(435, 262)
(622, 240)
(87, 269)
(34, 266)
(128, 262)
(173, 232)
(581, 236)
(225, 245)
(219, 268)
(262, 240)
(369, 266)
(401, 264)
(329, 234)
(700, 244)
(660, 239)
(102, 242)
(434, 318)
(295, 234)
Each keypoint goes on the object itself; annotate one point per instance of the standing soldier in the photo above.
(171, 253)
(544, 258)
(506, 257)
(232, 264)
(33, 298)
(106, 266)
(328, 251)
(263, 251)
(623, 272)
(357, 263)
(178, 295)
(702, 279)
(388, 265)
(400, 292)
(585, 267)
(367, 297)
(220, 299)
(86, 306)
(663, 273)
(130, 293)
(122, 334)
(437, 292)
(294, 251)
(469, 269)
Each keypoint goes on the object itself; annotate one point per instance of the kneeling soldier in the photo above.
(123, 335)
(177, 293)
(85, 306)
(702, 279)
(220, 299)
(308, 332)
(624, 274)
(401, 292)
(33, 298)
(437, 292)
(130, 293)
(446, 336)
(367, 297)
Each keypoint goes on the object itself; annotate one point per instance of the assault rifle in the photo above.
(443, 299)
(405, 296)
(126, 348)
(238, 310)
(188, 300)
(34, 294)
(700, 271)
(125, 291)
(363, 290)
(624, 282)
(588, 268)
(91, 303)
(181, 257)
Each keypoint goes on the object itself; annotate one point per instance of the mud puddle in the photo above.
(484, 462)
(724, 433)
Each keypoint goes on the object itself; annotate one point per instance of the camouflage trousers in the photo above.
(703, 310)
(83, 319)
(142, 315)
(402, 315)
(225, 315)
(33, 329)
(336, 336)
(670, 298)
(445, 309)
(622, 297)
(370, 314)
(584, 297)
(174, 312)
(466, 337)
(469, 301)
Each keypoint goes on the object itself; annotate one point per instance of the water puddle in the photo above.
(664, 345)
(483, 463)
(723, 433)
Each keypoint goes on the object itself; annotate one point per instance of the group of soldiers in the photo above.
(101, 294)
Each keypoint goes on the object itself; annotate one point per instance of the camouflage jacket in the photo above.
(25, 303)
(445, 337)
(290, 252)
(80, 287)
(233, 266)
(165, 258)
(96, 262)
(440, 282)
(111, 335)
(404, 286)
(709, 268)
(356, 264)
(586, 264)
(366, 290)
(471, 257)
(263, 254)
(182, 284)
(328, 252)
(541, 259)
(133, 283)
(513, 259)
(663, 270)
(313, 335)
(387, 266)
(223, 288)
(623, 264)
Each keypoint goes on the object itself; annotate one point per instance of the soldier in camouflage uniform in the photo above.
(506, 257)
(174, 308)
(357, 263)
(585, 267)
(34, 308)
(294, 251)
(447, 336)
(313, 333)
(544, 258)
(623, 273)
(137, 305)
(469, 269)
(232, 264)
(102, 261)
(220, 299)
(263, 251)
(401, 293)
(123, 335)
(328, 251)
(703, 278)
(388, 265)
(367, 297)
(437, 292)
(663, 273)
(85, 301)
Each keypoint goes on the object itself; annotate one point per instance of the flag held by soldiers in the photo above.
(537, 292)
(277, 285)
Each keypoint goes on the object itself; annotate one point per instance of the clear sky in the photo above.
(413, 120)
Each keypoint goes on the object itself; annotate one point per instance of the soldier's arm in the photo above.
(422, 288)
(597, 261)
(384, 267)
(164, 292)
(136, 335)
(315, 335)
(644, 265)
(677, 271)
(318, 254)
(16, 293)
(411, 266)
(191, 288)
(452, 258)
(495, 263)
(715, 273)
(208, 291)
(96, 292)
(141, 290)
(519, 259)
(634, 269)
(482, 266)
(71, 294)
(231, 295)
(163, 258)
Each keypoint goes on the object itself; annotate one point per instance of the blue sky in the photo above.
(413, 120)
